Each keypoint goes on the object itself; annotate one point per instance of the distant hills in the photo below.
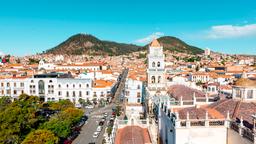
(88, 44)
(176, 45)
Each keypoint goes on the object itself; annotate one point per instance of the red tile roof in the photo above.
(132, 134)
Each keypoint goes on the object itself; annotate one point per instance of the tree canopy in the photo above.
(41, 137)
(62, 122)
(27, 118)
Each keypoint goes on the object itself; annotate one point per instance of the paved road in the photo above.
(86, 133)
(118, 99)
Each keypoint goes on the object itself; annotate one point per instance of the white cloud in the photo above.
(231, 31)
(1, 53)
(150, 37)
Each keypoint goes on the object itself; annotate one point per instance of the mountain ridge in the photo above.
(79, 44)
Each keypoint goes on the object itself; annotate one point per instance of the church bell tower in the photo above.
(156, 68)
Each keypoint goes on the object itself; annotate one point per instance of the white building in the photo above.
(244, 89)
(199, 77)
(191, 126)
(207, 51)
(156, 68)
(134, 92)
(46, 66)
(54, 87)
(156, 83)
(82, 66)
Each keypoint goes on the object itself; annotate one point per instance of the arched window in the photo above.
(41, 86)
(153, 79)
(73, 85)
(74, 93)
(50, 81)
(158, 64)
(59, 86)
(159, 79)
(87, 85)
(67, 85)
(153, 64)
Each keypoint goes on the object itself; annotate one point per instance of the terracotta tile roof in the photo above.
(194, 113)
(215, 114)
(245, 109)
(132, 134)
(178, 91)
(244, 82)
(102, 83)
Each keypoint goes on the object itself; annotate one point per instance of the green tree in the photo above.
(33, 61)
(41, 137)
(199, 83)
(4, 102)
(82, 102)
(109, 130)
(71, 114)
(62, 128)
(88, 102)
(61, 105)
(62, 122)
(21, 118)
(141, 55)
(18, 119)
(118, 110)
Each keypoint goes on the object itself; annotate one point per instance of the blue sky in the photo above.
(29, 26)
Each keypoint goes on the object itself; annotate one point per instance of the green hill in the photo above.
(176, 45)
(87, 44)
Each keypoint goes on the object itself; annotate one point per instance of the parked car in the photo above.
(99, 128)
(96, 134)
(101, 123)
(89, 106)
(85, 118)
(73, 135)
(67, 142)
(105, 115)
(110, 123)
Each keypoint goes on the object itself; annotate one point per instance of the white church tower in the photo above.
(156, 69)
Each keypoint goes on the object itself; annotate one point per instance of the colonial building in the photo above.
(57, 86)
(134, 93)
(156, 69)
(228, 121)
(244, 89)
(156, 83)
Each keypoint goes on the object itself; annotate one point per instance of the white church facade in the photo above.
(192, 117)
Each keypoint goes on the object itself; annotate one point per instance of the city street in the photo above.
(86, 133)
(94, 116)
